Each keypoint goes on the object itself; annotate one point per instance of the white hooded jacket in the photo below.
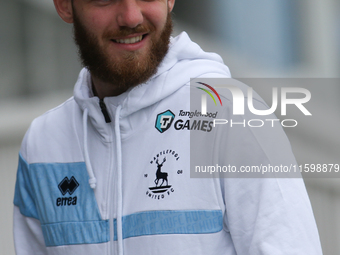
(113, 177)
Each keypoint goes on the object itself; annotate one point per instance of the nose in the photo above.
(129, 14)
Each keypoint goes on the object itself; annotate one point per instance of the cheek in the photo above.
(156, 14)
(158, 21)
(98, 21)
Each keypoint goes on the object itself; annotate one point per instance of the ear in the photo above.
(64, 9)
(171, 4)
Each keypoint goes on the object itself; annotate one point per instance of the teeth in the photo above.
(130, 40)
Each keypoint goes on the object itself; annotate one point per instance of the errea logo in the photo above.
(164, 121)
(67, 186)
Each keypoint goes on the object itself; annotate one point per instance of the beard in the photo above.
(133, 68)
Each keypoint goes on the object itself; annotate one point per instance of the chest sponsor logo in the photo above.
(197, 121)
(67, 186)
(164, 121)
(163, 169)
(204, 123)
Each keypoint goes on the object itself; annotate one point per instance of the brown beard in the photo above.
(132, 70)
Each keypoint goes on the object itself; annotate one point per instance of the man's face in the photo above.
(122, 42)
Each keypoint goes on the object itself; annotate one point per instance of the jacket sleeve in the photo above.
(28, 237)
(270, 216)
(266, 215)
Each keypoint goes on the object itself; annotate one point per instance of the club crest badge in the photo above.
(161, 173)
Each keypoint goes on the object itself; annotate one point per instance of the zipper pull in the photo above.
(104, 111)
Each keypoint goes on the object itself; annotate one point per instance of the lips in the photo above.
(129, 40)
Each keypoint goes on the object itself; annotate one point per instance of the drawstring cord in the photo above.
(92, 180)
(119, 183)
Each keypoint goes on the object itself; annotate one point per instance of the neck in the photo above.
(104, 89)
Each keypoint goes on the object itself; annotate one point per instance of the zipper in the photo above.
(104, 111)
(110, 202)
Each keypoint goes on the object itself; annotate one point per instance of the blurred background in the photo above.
(257, 39)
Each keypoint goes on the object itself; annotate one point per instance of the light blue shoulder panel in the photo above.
(63, 201)
(24, 197)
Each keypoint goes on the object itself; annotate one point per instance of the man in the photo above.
(107, 172)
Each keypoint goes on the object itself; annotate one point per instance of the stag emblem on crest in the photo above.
(161, 175)
(161, 181)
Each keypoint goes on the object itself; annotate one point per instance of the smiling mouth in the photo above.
(130, 40)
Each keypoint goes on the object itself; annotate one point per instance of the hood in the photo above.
(183, 54)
